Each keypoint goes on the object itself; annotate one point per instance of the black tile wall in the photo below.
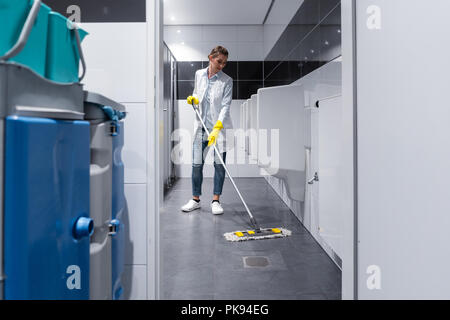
(312, 39)
(247, 77)
(230, 69)
(186, 70)
(184, 88)
(269, 67)
(247, 88)
(235, 90)
(285, 70)
(250, 70)
(326, 6)
(330, 35)
(305, 20)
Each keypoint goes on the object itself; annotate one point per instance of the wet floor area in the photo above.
(198, 263)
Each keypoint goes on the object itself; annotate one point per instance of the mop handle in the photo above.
(252, 219)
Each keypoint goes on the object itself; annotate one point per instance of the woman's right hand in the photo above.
(192, 100)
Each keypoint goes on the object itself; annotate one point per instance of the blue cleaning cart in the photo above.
(46, 220)
(46, 187)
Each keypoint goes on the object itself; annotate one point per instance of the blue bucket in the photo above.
(63, 56)
(13, 15)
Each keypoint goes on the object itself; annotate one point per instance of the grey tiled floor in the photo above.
(198, 263)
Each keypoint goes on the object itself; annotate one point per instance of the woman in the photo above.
(213, 92)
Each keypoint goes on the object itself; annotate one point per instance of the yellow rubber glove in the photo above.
(215, 133)
(192, 99)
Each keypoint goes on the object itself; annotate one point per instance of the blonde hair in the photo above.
(218, 50)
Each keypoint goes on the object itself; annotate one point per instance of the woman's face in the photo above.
(217, 63)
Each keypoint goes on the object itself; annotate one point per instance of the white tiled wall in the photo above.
(194, 43)
(116, 58)
(136, 278)
(135, 252)
(135, 151)
(116, 61)
(245, 42)
(186, 123)
(135, 273)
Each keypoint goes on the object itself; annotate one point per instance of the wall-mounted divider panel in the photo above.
(281, 136)
(253, 136)
(246, 126)
(248, 119)
(330, 174)
(107, 196)
(46, 187)
(403, 149)
(241, 116)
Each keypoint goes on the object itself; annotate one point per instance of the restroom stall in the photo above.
(168, 116)
(398, 82)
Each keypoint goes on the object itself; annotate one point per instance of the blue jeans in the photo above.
(199, 151)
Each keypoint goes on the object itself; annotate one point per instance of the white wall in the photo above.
(245, 42)
(238, 167)
(116, 68)
(194, 42)
(119, 66)
(349, 132)
(402, 151)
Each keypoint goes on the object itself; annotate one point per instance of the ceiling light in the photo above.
(172, 18)
(178, 31)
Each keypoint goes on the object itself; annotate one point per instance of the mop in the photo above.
(257, 233)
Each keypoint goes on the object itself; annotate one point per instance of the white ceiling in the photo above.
(234, 12)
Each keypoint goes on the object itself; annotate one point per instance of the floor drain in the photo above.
(256, 262)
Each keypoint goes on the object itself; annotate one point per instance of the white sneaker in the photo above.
(216, 208)
(190, 206)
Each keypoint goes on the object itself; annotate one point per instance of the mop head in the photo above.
(264, 233)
